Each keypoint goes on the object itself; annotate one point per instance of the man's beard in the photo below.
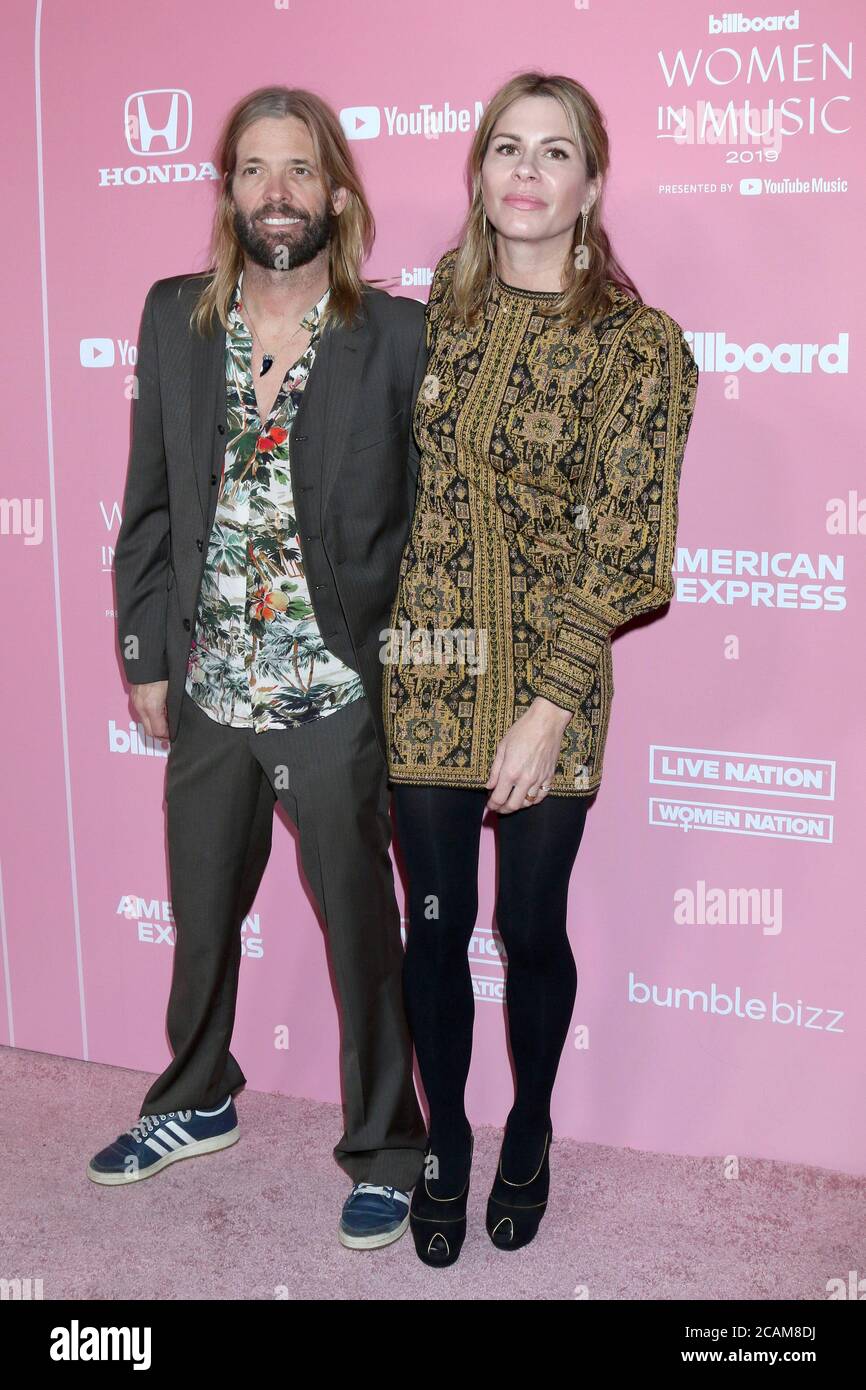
(275, 249)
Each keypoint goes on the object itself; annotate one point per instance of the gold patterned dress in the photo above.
(545, 518)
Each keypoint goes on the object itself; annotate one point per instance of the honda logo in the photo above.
(158, 122)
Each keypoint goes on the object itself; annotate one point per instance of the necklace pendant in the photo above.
(267, 363)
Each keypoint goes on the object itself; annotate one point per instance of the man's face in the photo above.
(284, 215)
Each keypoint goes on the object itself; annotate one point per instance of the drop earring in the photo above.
(581, 251)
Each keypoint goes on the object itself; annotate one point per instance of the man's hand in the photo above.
(149, 701)
(526, 757)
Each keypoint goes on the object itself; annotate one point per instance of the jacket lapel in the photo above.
(341, 366)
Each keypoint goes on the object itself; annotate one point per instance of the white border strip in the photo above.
(58, 608)
(5, 946)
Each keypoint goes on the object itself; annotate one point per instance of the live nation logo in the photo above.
(739, 775)
(487, 963)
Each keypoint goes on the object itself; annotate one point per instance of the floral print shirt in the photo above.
(257, 658)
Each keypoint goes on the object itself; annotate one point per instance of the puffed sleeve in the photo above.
(628, 520)
(439, 290)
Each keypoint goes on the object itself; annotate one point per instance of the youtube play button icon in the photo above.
(97, 352)
(360, 122)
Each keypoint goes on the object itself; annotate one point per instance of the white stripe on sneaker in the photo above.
(179, 1130)
(157, 1148)
(393, 1192)
(165, 1138)
(223, 1107)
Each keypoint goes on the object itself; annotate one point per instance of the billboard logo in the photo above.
(738, 23)
(158, 122)
(713, 353)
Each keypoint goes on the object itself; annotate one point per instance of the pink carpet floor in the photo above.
(259, 1220)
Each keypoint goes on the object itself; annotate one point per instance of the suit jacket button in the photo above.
(186, 624)
(213, 477)
(221, 429)
(198, 543)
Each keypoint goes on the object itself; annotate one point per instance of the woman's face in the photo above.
(533, 178)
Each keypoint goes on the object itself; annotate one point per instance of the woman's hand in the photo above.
(526, 757)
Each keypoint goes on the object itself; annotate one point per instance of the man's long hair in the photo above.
(355, 229)
(585, 295)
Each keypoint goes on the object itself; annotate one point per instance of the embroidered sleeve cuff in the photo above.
(568, 675)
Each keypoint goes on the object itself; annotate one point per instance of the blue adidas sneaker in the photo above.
(157, 1140)
(373, 1216)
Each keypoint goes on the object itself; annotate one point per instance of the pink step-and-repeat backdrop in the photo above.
(716, 906)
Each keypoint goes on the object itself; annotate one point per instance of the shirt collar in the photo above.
(309, 321)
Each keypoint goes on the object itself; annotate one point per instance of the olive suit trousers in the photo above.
(222, 783)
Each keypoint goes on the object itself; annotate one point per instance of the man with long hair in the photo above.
(270, 491)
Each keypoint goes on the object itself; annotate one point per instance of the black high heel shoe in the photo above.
(515, 1209)
(438, 1224)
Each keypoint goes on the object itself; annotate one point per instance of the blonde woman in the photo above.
(552, 423)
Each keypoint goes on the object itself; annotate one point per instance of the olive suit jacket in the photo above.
(354, 470)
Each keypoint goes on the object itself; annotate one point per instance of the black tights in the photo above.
(439, 830)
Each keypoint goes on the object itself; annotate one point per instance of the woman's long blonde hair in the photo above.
(585, 290)
(355, 228)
